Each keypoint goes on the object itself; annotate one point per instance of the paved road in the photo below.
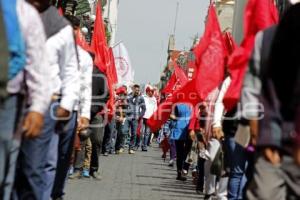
(143, 176)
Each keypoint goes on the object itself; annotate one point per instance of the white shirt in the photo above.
(37, 66)
(86, 72)
(64, 73)
(219, 105)
(151, 106)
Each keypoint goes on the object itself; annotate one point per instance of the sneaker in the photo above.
(145, 150)
(121, 150)
(105, 154)
(131, 152)
(86, 173)
(171, 163)
(75, 175)
(96, 176)
(184, 172)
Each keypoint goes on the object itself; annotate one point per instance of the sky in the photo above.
(145, 25)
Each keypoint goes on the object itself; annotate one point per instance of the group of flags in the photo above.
(104, 56)
(215, 54)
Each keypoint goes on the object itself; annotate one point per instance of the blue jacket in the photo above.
(181, 124)
(16, 44)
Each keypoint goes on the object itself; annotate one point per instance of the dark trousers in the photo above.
(122, 131)
(200, 180)
(133, 126)
(183, 148)
(65, 148)
(97, 134)
(109, 137)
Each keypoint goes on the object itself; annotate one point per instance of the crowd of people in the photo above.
(54, 114)
(55, 120)
(252, 150)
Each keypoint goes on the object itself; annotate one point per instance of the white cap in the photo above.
(93, 18)
(84, 30)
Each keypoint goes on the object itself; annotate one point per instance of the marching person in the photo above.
(136, 111)
(49, 155)
(27, 89)
(179, 133)
(276, 174)
(151, 107)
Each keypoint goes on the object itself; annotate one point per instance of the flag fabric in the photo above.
(124, 68)
(112, 80)
(99, 43)
(181, 76)
(80, 40)
(112, 68)
(176, 81)
(169, 88)
(259, 15)
(210, 56)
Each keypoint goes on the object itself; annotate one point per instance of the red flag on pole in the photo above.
(99, 43)
(177, 80)
(181, 76)
(210, 54)
(112, 67)
(259, 15)
(169, 88)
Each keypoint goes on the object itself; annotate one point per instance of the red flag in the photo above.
(211, 67)
(80, 40)
(61, 11)
(229, 43)
(182, 79)
(99, 43)
(112, 67)
(112, 79)
(177, 80)
(259, 15)
(210, 54)
(169, 88)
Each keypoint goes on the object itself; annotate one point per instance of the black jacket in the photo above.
(100, 91)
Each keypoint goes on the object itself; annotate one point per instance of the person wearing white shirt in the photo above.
(151, 107)
(83, 156)
(214, 145)
(44, 165)
(30, 82)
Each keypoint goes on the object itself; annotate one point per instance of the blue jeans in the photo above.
(9, 148)
(238, 164)
(133, 125)
(30, 179)
(66, 134)
(121, 134)
(109, 137)
(146, 134)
